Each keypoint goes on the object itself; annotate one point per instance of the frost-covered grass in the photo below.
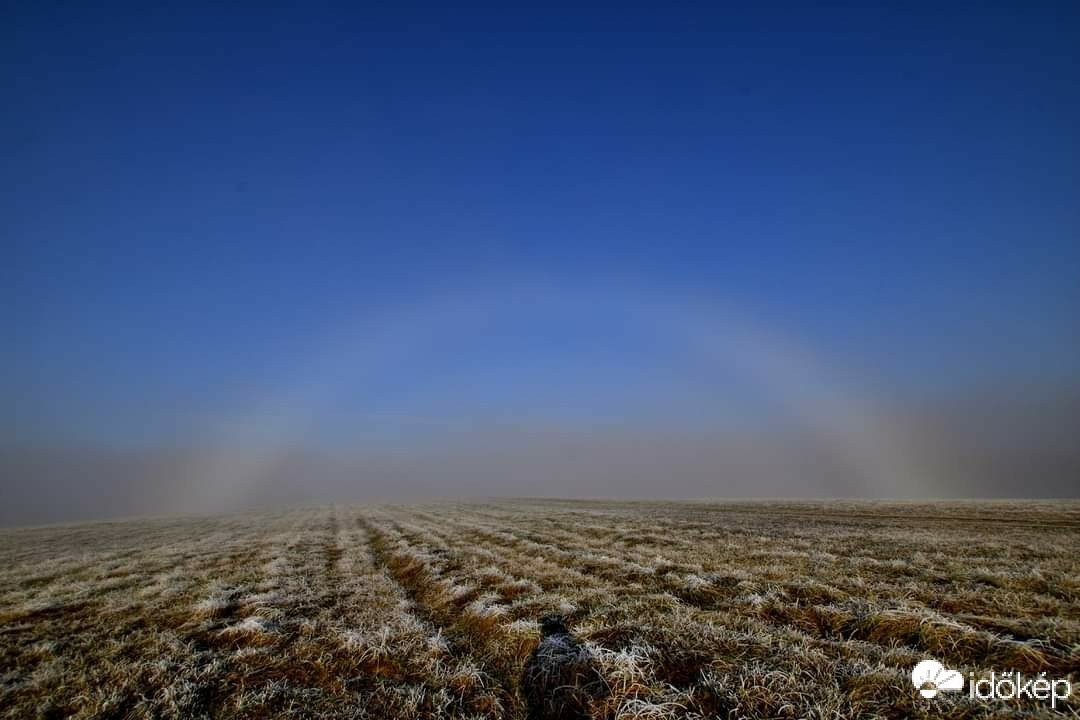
(689, 610)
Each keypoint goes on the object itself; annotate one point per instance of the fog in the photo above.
(961, 458)
(525, 390)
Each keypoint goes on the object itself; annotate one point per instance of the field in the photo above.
(687, 610)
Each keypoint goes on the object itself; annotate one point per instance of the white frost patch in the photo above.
(695, 582)
(523, 626)
(264, 598)
(566, 607)
(480, 609)
(252, 625)
(211, 605)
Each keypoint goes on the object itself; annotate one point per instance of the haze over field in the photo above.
(285, 256)
(556, 398)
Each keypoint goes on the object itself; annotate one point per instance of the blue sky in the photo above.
(197, 196)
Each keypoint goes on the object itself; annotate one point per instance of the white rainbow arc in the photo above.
(363, 349)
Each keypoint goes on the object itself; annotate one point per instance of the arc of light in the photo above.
(782, 367)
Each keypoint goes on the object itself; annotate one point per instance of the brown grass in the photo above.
(689, 610)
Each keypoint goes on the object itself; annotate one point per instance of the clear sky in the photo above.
(210, 210)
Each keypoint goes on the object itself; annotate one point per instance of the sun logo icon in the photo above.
(929, 677)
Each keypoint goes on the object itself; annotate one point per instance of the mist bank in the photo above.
(978, 448)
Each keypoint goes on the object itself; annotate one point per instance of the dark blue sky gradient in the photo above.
(196, 195)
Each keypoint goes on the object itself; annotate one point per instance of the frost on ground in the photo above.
(677, 610)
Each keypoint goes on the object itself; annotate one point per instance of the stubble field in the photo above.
(686, 610)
